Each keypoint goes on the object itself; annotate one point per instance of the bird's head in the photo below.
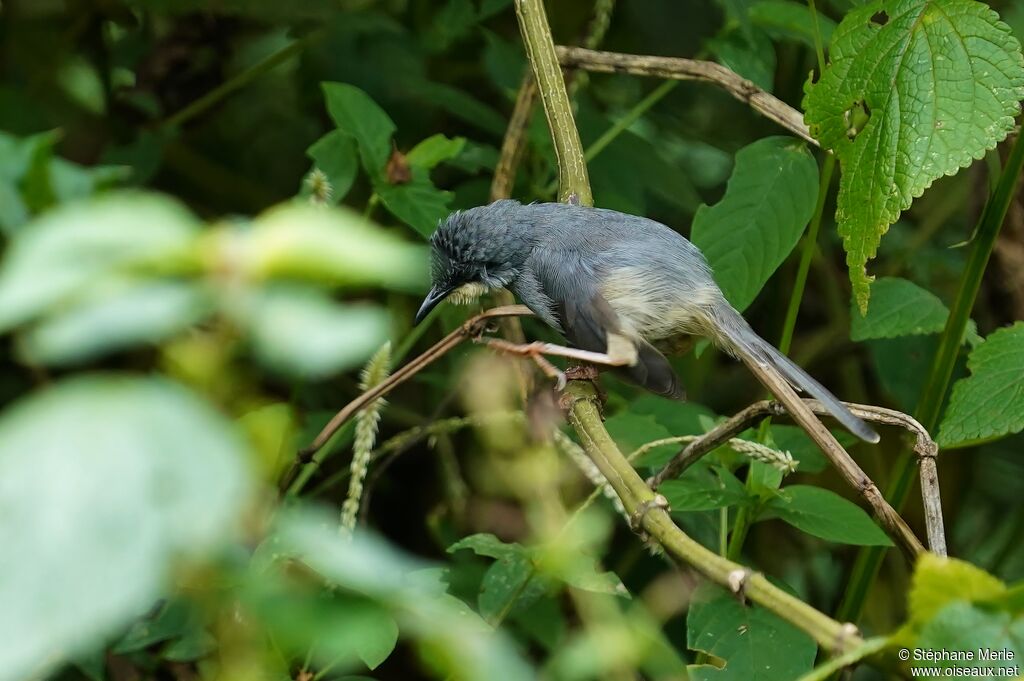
(476, 251)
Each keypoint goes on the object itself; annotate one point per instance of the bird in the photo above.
(609, 282)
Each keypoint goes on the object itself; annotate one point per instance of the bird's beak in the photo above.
(435, 296)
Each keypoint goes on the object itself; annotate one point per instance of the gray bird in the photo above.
(609, 282)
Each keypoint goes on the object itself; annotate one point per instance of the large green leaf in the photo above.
(990, 402)
(939, 581)
(768, 202)
(823, 513)
(357, 115)
(84, 244)
(899, 308)
(418, 202)
(755, 644)
(915, 90)
(104, 481)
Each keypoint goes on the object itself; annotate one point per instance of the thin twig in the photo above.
(514, 143)
(677, 68)
(472, 327)
(924, 446)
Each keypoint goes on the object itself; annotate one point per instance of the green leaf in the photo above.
(510, 583)
(915, 89)
(768, 202)
(484, 544)
(300, 332)
(418, 202)
(331, 245)
(357, 115)
(434, 150)
(116, 317)
(787, 20)
(104, 482)
(83, 244)
(990, 402)
(827, 515)
(336, 155)
(631, 431)
(755, 644)
(794, 440)
(748, 53)
(702, 488)
(940, 581)
(901, 308)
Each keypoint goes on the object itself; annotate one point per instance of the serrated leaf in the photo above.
(825, 514)
(768, 202)
(356, 114)
(899, 308)
(434, 150)
(787, 20)
(939, 581)
(755, 644)
(915, 89)
(138, 473)
(336, 154)
(990, 402)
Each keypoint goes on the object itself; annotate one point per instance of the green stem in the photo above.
(869, 560)
(810, 243)
(621, 125)
(241, 80)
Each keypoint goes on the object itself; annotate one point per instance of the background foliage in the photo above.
(214, 216)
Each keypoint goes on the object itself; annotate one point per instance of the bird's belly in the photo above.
(655, 310)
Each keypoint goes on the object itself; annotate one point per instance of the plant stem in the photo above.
(810, 243)
(240, 80)
(869, 560)
(621, 125)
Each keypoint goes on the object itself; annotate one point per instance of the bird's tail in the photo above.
(735, 335)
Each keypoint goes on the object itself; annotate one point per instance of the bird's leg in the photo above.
(537, 352)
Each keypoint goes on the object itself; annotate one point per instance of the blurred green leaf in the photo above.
(940, 581)
(825, 514)
(915, 89)
(989, 403)
(104, 481)
(357, 115)
(510, 584)
(83, 244)
(434, 150)
(631, 431)
(767, 204)
(115, 317)
(300, 332)
(332, 245)
(788, 20)
(336, 154)
(485, 544)
(755, 644)
(961, 628)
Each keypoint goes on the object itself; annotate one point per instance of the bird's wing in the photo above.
(563, 278)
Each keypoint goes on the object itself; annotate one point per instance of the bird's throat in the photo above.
(467, 293)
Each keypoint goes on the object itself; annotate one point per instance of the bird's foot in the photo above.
(534, 351)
